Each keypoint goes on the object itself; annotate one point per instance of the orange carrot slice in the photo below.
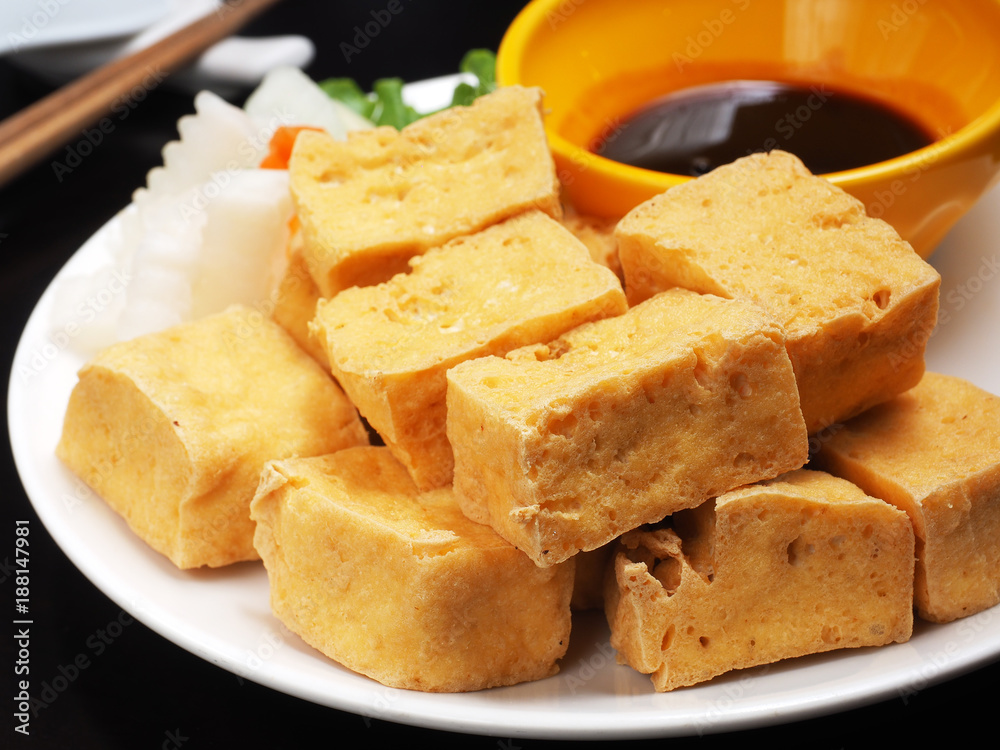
(280, 147)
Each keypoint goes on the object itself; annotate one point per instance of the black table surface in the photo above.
(145, 692)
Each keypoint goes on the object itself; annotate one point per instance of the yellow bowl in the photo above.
(937, 61)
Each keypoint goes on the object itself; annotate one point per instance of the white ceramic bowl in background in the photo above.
(59, 40)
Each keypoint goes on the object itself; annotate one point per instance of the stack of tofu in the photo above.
(558, 425)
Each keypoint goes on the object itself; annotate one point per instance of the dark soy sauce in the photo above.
(694, 130)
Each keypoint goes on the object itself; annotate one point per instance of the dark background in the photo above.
(144, 691)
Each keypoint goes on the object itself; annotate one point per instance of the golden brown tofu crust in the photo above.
(802, 564)
(399, 585)
(598, 234)
(295, 301)
(856, 302)
(370, 203)
(172, 429)
(523, 281)
(935, 453)
(564, 447)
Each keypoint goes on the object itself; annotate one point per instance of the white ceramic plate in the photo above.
(223, 615)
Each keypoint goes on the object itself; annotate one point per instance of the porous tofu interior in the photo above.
(482, 292)
(381, 492)
(399, 585)
(764, 228)
(934, 452)
(942, 431)
(173, 428)
(384, 195)
(564, 446)
(598, 234)
(801, 564)
(606, 352)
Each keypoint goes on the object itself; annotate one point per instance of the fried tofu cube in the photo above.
(295, 302)
(399, 585)
(588, 583)
(935, 453)
(562, 448)
(173, 428)
(802, 564)
(524, 281)
(598, 234)
(856, 302)
(368, 204)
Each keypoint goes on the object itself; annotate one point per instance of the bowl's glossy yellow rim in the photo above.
(514, 45)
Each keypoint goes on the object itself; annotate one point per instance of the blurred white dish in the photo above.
(76, 36)
(30, 24)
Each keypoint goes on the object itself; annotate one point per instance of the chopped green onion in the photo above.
(385, 105)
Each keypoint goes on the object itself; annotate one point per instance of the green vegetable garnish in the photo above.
(384, 105)
(389, 106)
(481, 63)
(346, 91)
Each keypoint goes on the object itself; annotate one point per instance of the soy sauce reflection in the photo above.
(690, 132)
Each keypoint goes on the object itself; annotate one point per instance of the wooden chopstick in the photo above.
(29, 135)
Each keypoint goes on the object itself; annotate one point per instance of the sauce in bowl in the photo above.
(694, 130)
